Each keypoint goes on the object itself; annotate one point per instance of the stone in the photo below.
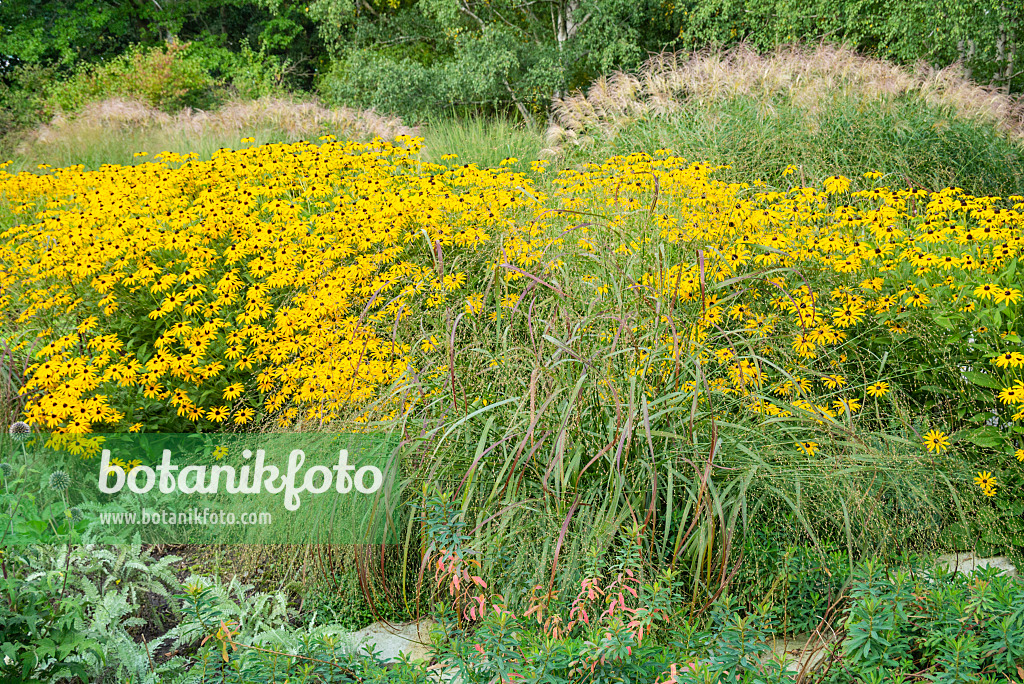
(801, 652)
(390, 640)
(966, 561)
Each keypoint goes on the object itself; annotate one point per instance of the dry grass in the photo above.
(296, 118)
(808, 78)
(118, 126)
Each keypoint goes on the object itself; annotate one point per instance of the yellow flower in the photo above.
(474, 303)
(918, 300)
(986, 291)
(1012, 395)
(301, 271)
(878, 389)
(808, 448)
(987, 482)
(835, 184)
(834, 381)
(88, 324)
(233, 391)
(1009, 359)
(454, 281)
(218, 414)
(1008, 294)
(803, 346)
(1019, 453)
(936, 440)
(851, 405)
(848, 316)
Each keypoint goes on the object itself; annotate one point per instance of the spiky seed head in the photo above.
(19, 431)
(59, 481)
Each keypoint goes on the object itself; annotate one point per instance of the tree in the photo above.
(481, 54)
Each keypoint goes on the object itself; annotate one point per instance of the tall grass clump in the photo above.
(607, 392)
(568, 430)
(827, 111)
(118, 130)
(483, 141)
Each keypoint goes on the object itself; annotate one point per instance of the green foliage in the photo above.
(258, 74)
(77, 609)
(473, 79)
(758, 137)
(943, 626)
(741, 645)
(64, 32)
(984, 35)
(445, 56)
(346, 607)
(39, 636)
(504, 646)
(419, 57)
(207, 602)
(235, 645)
(484, 141)
(167, 78)
(31, 510)
(71, 33)
(19, 99)
(800, 585)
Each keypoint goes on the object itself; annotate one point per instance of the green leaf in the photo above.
(956, 537)
(993, 538)
(982, 379)
(10, 650)
(985, 437)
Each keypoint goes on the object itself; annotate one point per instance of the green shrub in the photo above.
(39, 638)
(798, 582)
(20, 105)
(245, 73)
(940, 32)
(168, 78)
(937, 625)
(487, 73)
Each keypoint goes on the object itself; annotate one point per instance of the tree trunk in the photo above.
(523, 111)
(567, 21)
(965, 49)
(1006, 47)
